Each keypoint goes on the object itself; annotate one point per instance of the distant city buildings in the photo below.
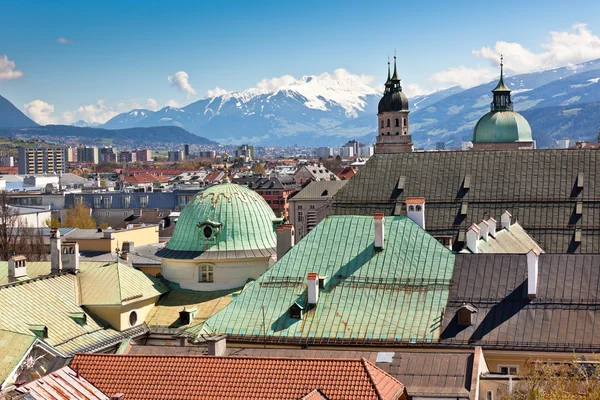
(175, 155)
(87, 154)
(245, 152)
(347, 151)
(107, 154)
(127, 156)
(42, 160)
(143, 155)
(207, 154)
(324, 152)
(186, 151)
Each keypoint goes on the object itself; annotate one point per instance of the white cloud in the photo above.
(180, 80)
(63, 40)
(8, 69)
(216, 92)
(276, 83)
(152, 104)
(173, 103)
(414, 89)
(40, 112)
(462, 76)
(99, 112)
(564, 48)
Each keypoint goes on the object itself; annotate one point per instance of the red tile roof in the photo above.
(196, 377)
(145, 178)
(346, 174)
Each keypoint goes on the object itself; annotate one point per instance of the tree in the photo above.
(259, 169)
(16, 238)
(547, 380)
(79, 216)
(334, 164)
(52, 222)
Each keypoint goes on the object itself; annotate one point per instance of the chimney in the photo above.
(532, 273)
(313, 287)
(17, 268)
(70, 256)
(505, 220)
(415, 210)
(492, 226)
(472, 238)
(285, 239)
(379, 224)
(484, 230)
(128, 247)
(55, 251)
(217, 346)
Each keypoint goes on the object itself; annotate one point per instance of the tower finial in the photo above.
(225, 169)
(389, 75)
(501, 66)
(395, 76)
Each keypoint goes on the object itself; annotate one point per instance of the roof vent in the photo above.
(17, 268)
(296, 311)
(40, 331)
(465, 315)
(492, 226)
(532, 273)
(472, 238)
(467, 182)
(580, 180)
(484, 230)
(415, 210)
(186, 316)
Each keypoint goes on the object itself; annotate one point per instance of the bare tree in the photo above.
(16, 238)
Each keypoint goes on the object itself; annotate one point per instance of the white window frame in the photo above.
(509, 367)
(206, 273)
(144, 201)
(126, 201)
(97, 202)
(107, 202)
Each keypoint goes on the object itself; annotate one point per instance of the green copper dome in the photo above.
(502, 127)
(224, 218)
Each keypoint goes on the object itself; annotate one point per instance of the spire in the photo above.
(501, 86)
(388, 79)
(225, 169)
(395, 76)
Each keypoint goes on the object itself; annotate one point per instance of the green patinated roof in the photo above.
(397, 293)
(51, 301)
(244, 221)
(13, 347)
(502, 127)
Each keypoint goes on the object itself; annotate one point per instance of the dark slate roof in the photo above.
(562, 316)
(284, 182)
(539, 187)
(319, 190)
(164, 200)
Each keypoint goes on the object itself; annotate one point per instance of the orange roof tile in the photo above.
(415, 200)
(196, 377)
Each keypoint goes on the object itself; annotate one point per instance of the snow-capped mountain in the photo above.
(84, 124)
(298, 111)
(327, 110)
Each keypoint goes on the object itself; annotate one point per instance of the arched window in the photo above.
(382, 123)
(411, 208)
(397, 122)
(388, 123)
(405, 122)
(419, 208)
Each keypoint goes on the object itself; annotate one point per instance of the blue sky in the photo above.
(121, 53)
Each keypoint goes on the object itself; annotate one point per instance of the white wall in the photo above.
(227, 274)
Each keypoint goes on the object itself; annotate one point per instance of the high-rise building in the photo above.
(71, 154)
(42, 160)
(175, 155)
(246, 152)
(346, 151)
(186, 151)
(207, 154)
(366, 151)
(355, 144)
(107, 154)
(87, 154)
(324, 152)
(127, 156)
(143, 155)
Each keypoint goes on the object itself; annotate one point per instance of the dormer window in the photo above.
(210, 229)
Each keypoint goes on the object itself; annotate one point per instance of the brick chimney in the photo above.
(17, 268)
(505, 220)
(55, 251)
(472, 238)
(313, 287)
(532, 273)
(415, 210)
(379, 225)
(70, 256)
(285, 239)
(217, 346)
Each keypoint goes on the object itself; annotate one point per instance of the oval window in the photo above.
(132, 318)
(207, 232)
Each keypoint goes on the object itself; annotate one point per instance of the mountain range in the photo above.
(327, 110)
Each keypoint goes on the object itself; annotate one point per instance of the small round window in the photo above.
(132, 318)
(208, 232)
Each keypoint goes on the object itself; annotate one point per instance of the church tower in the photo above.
(392, 118)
